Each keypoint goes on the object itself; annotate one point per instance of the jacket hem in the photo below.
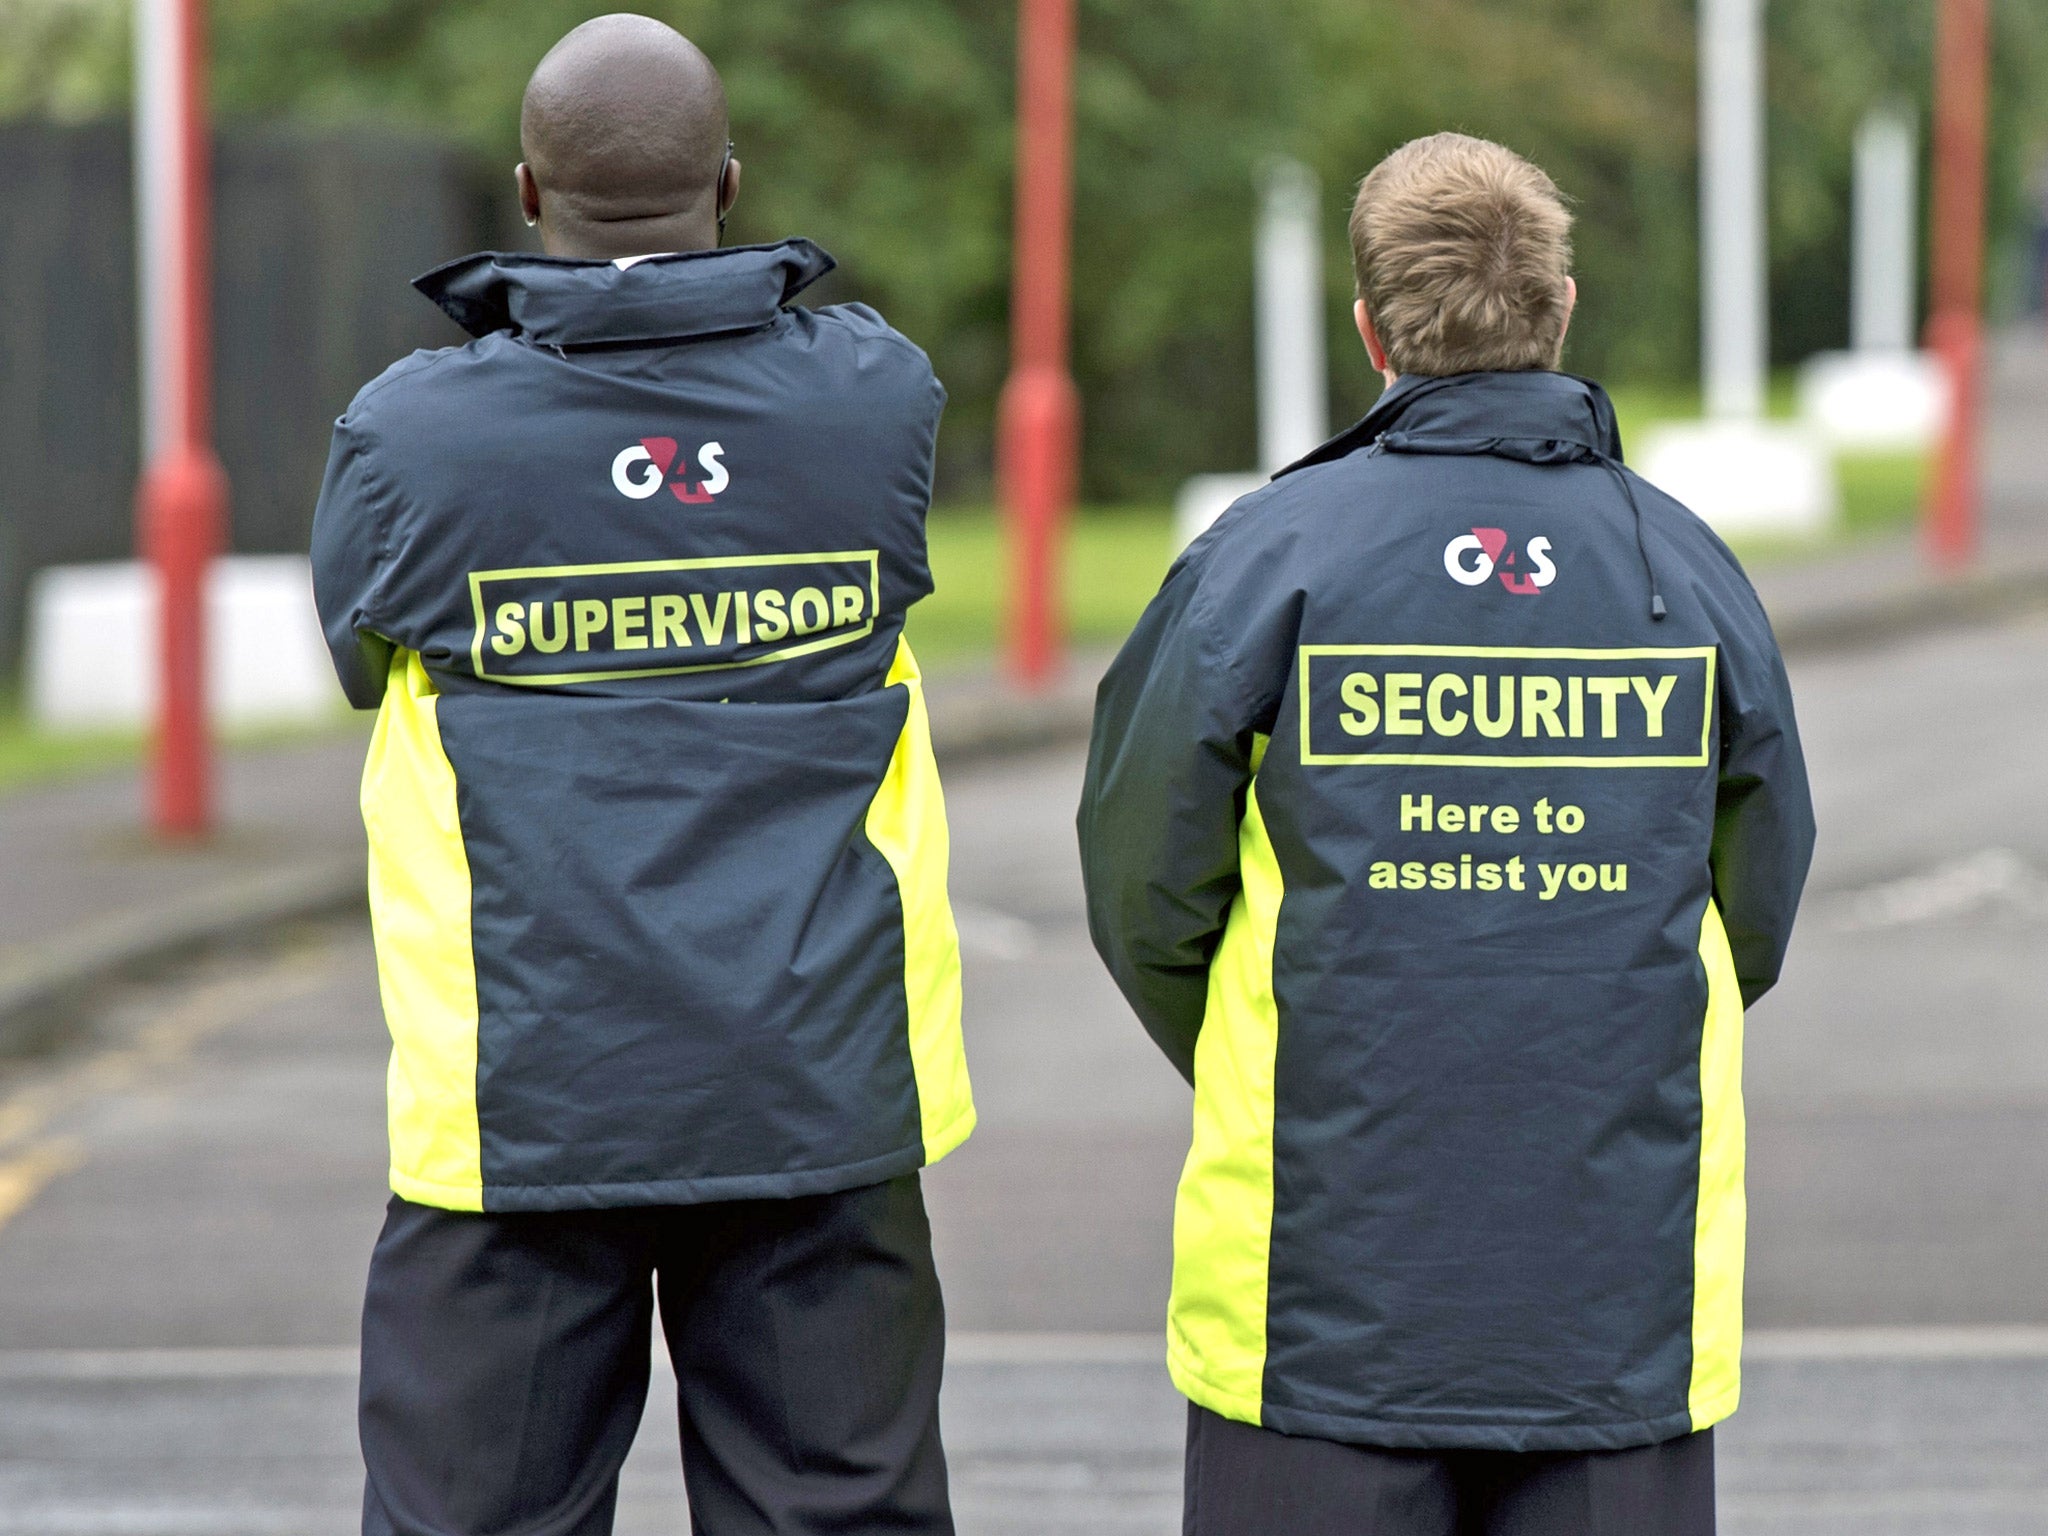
(446, 1197)
(1706, 1415)
(1428, 1435)
(1423, 1435)
(950, 1136)
(1198, 1389)
(691, 1191)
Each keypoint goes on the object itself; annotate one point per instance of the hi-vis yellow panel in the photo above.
(1723, 1208)
(420, 908)
(1223, 1218)
(907, 824)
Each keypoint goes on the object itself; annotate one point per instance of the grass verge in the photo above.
(29, 755)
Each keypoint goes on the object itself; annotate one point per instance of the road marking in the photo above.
(1775, 1345)
(1990, 879)
(989, 934)
(22, 1178)
(29, 1162)
(174, 1364)
(1985, 1342)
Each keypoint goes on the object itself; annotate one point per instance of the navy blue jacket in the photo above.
(658, 852)
(1442, 814)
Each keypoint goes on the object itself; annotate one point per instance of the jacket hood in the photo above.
(558, 301)
(1540, 418)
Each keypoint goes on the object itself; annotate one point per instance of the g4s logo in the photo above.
(1472, 557)
(640, 471)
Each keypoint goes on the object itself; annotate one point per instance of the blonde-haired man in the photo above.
(1444, 812)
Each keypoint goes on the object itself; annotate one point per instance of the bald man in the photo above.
(657, 852)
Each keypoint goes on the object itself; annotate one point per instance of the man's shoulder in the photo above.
(399, 389)
(1311, 501)
(851, 365)
(861, 321)
(873, 338)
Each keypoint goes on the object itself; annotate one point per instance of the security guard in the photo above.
(1443, 813)
(657, 852)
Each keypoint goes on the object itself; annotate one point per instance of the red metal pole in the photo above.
(1039, 429)
(1956, 279)
(195, 276)
(182, 501)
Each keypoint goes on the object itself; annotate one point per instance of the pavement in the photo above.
(191, 1078)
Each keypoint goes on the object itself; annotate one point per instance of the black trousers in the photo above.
(506, 1360)
(1246, 1481)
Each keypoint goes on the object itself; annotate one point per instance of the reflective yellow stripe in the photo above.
(420, 909)
(907, 824)
(1718, 1237)
(1223, 1218)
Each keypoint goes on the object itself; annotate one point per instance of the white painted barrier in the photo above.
(1745, 477)
(91, 662)
(1874, 401)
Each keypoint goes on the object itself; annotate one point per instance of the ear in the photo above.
(1375, 353)
(529, 195)
(729, 189)
(1571, 304)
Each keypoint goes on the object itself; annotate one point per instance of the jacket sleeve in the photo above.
(1763, 813)
(349, 550)
(1168, 768)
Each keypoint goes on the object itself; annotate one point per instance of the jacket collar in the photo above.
(560, 302)
(1542, 418)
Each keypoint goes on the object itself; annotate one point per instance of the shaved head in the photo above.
(624, 130)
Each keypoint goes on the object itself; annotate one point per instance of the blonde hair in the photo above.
(1463, 253)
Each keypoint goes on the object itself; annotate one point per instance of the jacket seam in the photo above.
(1617, 1434)
(714, 1178)
(886, 333)
(377, 496)
(1200, 613)
(405, 368)
(856, 1173)
(1181, 1358)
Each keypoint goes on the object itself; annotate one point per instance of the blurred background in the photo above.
(362, 141)
(190, 1046)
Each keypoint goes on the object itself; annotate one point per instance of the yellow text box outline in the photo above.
(1310, 758)
(477, 580)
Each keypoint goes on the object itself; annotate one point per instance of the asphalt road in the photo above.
(188, 1197)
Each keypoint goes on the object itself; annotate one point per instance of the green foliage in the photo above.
(63, 59)
(882, 129)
